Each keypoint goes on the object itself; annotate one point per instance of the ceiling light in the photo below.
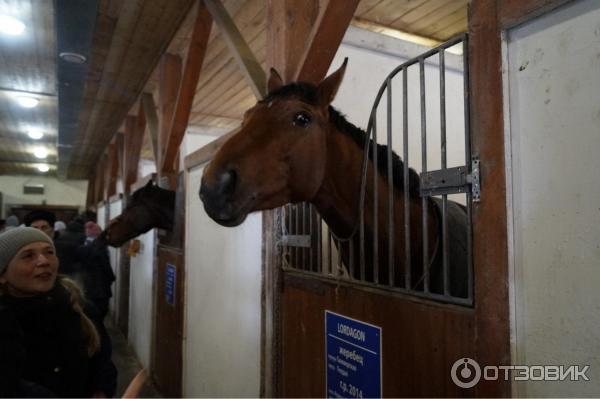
(43, 167)
(40, 153)
(27, 102)
(74, 58)
(36, 135)
(11, 26)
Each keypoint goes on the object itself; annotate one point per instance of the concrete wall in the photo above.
(222, 296)
(57, 192)
(141, 298)
(553, 84)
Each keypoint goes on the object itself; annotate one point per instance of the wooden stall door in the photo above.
(420, 340)
(168, 337)
(167, 353)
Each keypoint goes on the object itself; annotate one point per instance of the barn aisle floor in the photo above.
(127, 363)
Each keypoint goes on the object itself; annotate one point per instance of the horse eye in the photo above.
(302, 119)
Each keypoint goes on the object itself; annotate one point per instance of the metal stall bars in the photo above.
(309, 247)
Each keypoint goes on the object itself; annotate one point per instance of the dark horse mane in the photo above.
(307, 93)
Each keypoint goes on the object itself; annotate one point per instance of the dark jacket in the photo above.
(67, 244)
(87, 263)
(42, 349)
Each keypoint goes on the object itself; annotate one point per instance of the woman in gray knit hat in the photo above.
(50, 344)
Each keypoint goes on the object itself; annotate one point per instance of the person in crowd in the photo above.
(41, 220)
(67, 248)
(59, 226)
(11, 222)
(98, 275)
(52, 343)
(88, 265)
(2, 225)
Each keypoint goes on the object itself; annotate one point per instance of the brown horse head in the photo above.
(277, 157)
(149, 207)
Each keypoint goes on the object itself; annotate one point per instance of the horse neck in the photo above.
(338, 198)
(338, 201)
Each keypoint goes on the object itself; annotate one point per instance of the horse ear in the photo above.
(329, 86)
(275, 81)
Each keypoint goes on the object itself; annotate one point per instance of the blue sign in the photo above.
(353, 358)
(170, 284)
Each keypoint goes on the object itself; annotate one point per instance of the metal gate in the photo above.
(309, 247)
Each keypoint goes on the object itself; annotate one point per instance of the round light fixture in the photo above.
(74, 58)
(27, 102)
(11, 26)
(36, 135)
(40, 153)
(43, 168)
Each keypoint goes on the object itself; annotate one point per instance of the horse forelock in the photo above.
(308, 93)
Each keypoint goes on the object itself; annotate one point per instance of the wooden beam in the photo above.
(289, 24)
(113, 168)
(120, 142)
(187, 88)
(91, 192)
(242, 53)
(152, 121)
(134, 137)
(170, 78)
(294, 27)
(325, 39)
(99, 185)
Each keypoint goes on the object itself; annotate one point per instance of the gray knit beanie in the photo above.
(11, 241)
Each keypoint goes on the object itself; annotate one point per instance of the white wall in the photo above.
(223, 308)
(57, 192)
(366, 71)
(554, 138)
(140, 297)
(115, 208)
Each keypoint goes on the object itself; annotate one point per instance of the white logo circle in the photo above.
(469, 374)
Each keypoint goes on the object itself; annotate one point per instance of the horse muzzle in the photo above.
(219, 202)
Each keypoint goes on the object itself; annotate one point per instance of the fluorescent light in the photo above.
(27, 102)
(40, 153)
(74, 58)
(43, 167)
(11, 26)
(36, 135)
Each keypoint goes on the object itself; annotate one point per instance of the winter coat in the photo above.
(67, 245)
(43, 351)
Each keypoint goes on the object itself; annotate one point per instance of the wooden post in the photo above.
(90, 200)
(170, 78)
(296, 36)
(187, 89)
(112, 168)
(134, 136)
(152, 121)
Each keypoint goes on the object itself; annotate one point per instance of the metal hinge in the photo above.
(452, 181)
(473, 179)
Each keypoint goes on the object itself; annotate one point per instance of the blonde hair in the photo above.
(77, 299)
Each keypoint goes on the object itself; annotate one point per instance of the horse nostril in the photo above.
(228, 182)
